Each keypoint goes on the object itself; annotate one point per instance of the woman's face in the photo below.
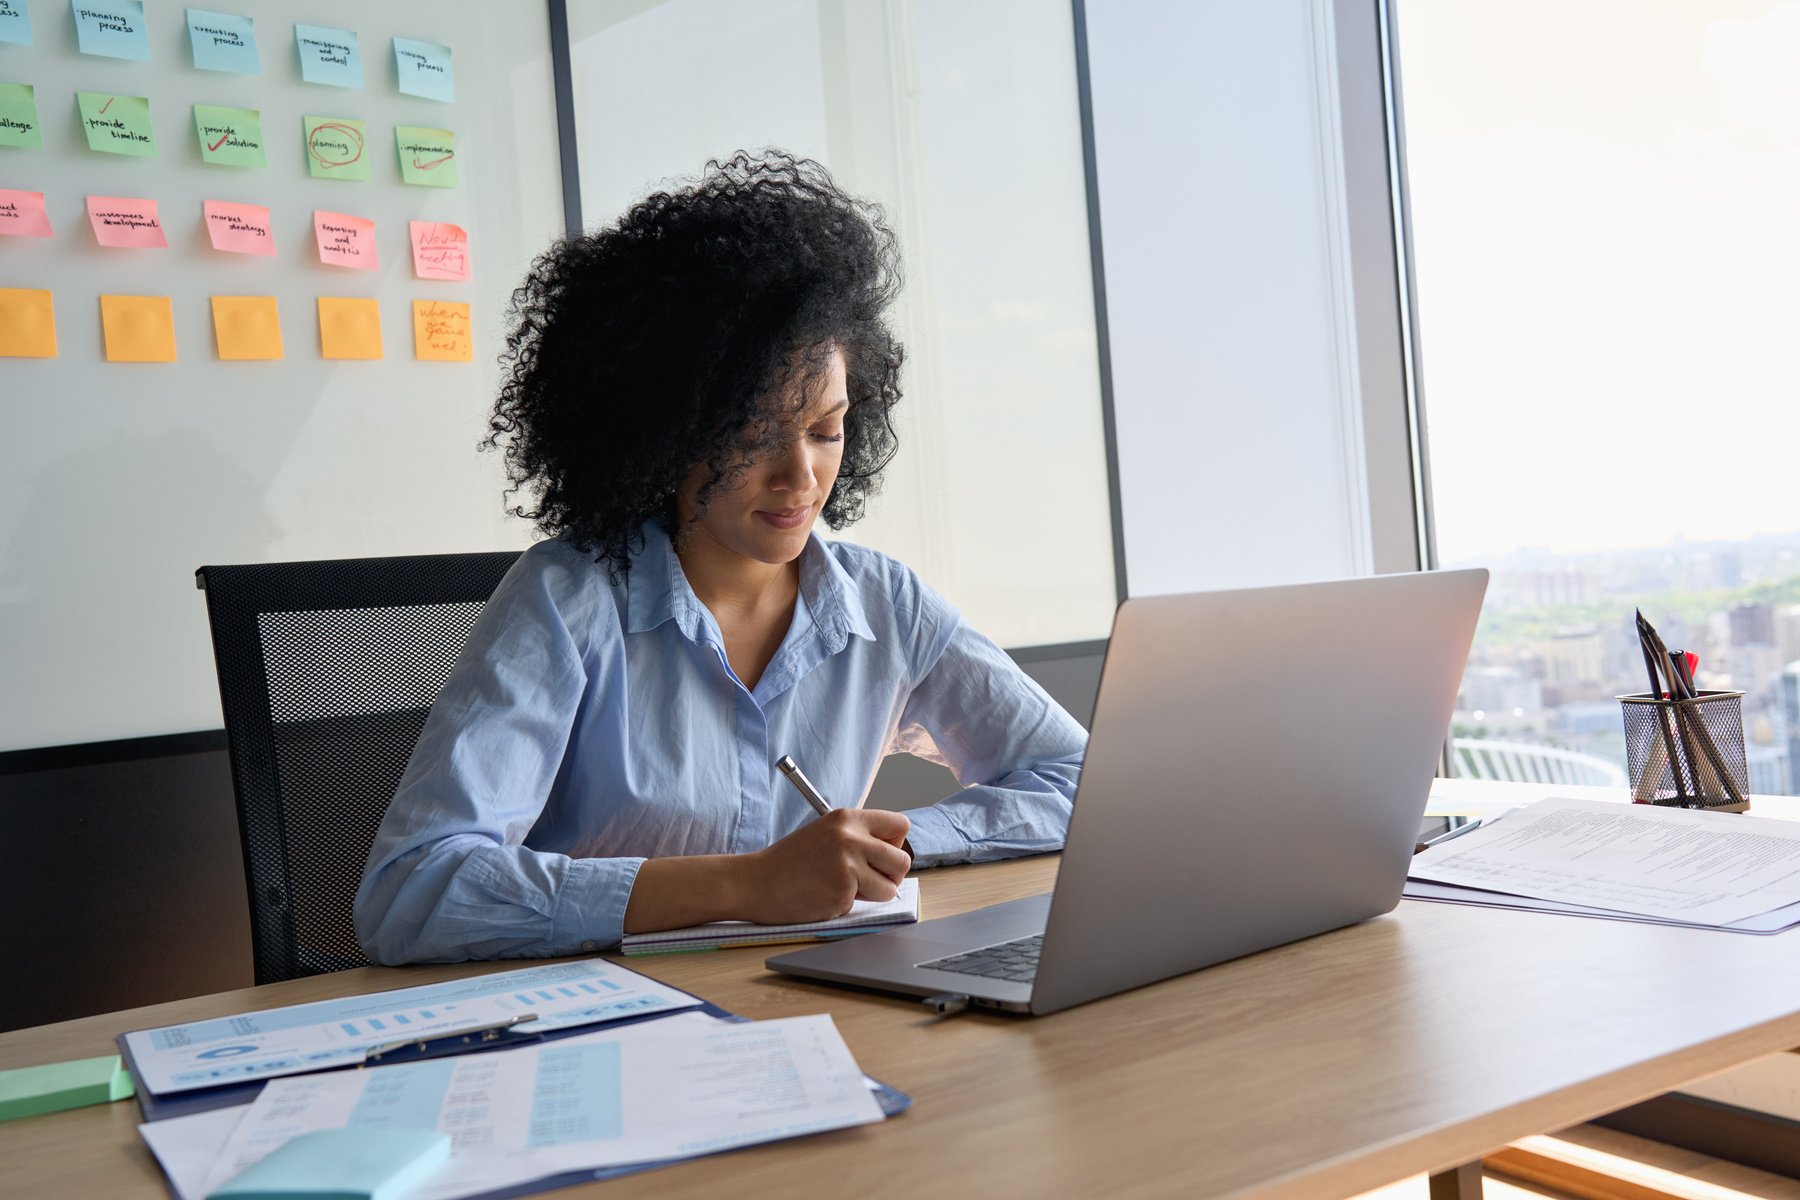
(768, 514)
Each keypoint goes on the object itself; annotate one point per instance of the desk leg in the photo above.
(1463, 1183)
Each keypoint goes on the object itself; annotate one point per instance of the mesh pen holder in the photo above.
(1687, 753)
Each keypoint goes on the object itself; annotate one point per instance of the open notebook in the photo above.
(865, 916)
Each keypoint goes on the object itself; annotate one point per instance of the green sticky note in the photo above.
(427, 156)
(230, 137)
(353, 1163)
(30, 1091)
(18, 116)
(336, 148)
(117, 124)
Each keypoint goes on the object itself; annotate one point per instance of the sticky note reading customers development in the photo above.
(344, 240)
(349, 327)
(138, 328)
(122, 221)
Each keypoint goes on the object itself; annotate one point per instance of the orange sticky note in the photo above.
(349, 327)
(246, 327)
(440, 251)
(22, 214)
(126, 221)
(441, 332)
(27, 324)
(138, 328)
(239, 228)
(344, 240)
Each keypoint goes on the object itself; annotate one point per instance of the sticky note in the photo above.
(15, 22)
(344, 240)
(439, 251)
(354, 1161)
(223, 42)
(424, 69)
(336, 148)
(22, 214)
(27, 324)
(18, 115)
(239, 228)
(427, 156)
(247, 328)
(230, 137)
(30, 1091)
(441, 331)
(349, 327)
(112, 28)
(117, 124)
(125, 222)
(138, 328)
(328, 55)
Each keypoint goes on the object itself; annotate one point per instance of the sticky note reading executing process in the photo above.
(424, 69)
(22, 214)
(223, 42)
(117, 124)
(441, 332)
(427, 156)
(349, 327)
(328, 55)
(138, 328)
(27, 324)
(125, 222)
(344, 240)
(230, 137)
(439, 251)
(18, 116)
(239, 228)
(15, 22)
(336, 148)
(112, 28)
(247, 328)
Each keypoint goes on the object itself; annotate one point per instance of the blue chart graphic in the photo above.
(227, 1051)
(576, 1096)
(404, 1099)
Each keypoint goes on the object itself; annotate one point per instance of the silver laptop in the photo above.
(1255, 774)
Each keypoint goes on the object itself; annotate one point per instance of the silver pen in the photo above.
(1446, 836)
(787, 766)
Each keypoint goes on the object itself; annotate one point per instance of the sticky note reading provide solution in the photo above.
(344, 240)
(112, 28)
(440, 251)
(122, 221)
(138, 328)
(22, 214)
(424, 69)
(15, 22)
(27, 324)
(349, 327)
(328, 55)
(239, 228)
(427, 156)
(336, 148)
(19, 116)
(223, 42)
(247, 328)
(441, 332)
(230, 137)
(117, 124)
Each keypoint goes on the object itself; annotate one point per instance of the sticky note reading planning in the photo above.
(18, 116)
(427, 156)
(230, 137)
(112, 28)
(22, 214)
(424, 69)
(223, 42)
(439, 251)
(27, 324)
(349, 327)
(239, 228)
(441, 332)
(344, 240)
(126, 222)
(328, 55)
(247, 328)
(138, 328)
(117, 124)
(336, 148)
(15, 22)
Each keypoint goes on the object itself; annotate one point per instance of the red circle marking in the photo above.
(351, 136)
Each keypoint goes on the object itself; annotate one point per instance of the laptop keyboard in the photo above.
(1015, 960)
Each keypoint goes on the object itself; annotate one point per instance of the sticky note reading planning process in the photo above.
(117, 124)
(427, 156)
(441, 332)
(344, 240)
(349, 327)
(239, 228)
(223, 42)
(230, 137)
(113, 28)
(336, 148)
(22, 214)
(138, 328)
(15, 22)
(18, 116)
(440, 251)
(27, 324)
(424, 69)
(125, 222)
(328, 55)
(247, 328)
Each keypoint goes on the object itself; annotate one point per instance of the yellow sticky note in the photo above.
(349, 327)
(441, 331)
(138, 328)
(247, 328)
(27, 324)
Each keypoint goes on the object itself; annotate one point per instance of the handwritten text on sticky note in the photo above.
(113, 28)
(441, 331)
(19, 116)
(424, 69)
(440, 250)
(336, 148)
(22, 214)
(239, 228)
(230, 137)
(125, 221)
(15, 22)
(117, 124)
(328, 55)
(427, 156)
(223, 42)
(344, 240)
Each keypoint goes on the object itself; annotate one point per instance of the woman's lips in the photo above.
(785, 518)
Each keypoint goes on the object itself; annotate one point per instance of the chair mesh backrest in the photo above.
(327, 671)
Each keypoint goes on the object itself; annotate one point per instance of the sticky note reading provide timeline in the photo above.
(336, 148)
(440, 251)
(19, 116)
(441, 331)
(117, 124)
(239, 228)
(112, 28)
(427, 156)
(27, 324)
(328, 55)
(349, 327)
(344, 240)
(247, 328)
(424, 69)
(229, 137)
(123, 221)
(138, 328)
(22, 214)
(223, 42)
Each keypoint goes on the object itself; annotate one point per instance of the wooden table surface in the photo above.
(1410, 1043)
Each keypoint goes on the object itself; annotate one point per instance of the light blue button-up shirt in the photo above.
(590, 725)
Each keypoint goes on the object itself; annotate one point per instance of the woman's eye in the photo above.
(828, 437)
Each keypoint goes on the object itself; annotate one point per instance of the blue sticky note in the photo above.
(354, 1163)
(15, 22)
(113, 28)
(328, 55)
(223, 42)
(424, 69)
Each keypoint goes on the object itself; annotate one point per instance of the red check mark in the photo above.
(221, 140)
(426, 166)
(108, 103)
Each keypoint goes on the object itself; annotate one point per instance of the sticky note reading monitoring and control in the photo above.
(19, 116)
(22, 214)
(349, 327)
(424, 69)
(344, 240)
(247, 328)
(230, 137)
(223, 42)
(122, 221)
(138, 328)
(336, 148)
(117, 124)
(239, 228)
(112, 28)
(441, 331)
(27, 324)
(440, 251)
(15, 22)
(328, 55)
(427, 156)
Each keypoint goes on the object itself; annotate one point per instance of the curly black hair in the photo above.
(666, 341)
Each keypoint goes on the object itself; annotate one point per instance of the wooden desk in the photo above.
(1412, 1043)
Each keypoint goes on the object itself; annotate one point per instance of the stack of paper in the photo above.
(865, 916)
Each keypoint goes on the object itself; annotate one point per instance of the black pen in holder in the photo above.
(1705, 734)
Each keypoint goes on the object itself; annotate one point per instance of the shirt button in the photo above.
(589, 947)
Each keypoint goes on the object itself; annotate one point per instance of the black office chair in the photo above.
(327, 671)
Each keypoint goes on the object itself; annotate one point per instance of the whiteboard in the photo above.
(118, 480)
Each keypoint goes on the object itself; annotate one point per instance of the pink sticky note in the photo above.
(124, 221)
(439, 251)
(344, 240)
(239, 228)
(22, 214)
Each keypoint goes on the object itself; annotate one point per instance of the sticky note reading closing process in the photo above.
(19, 116)
(27, 324)
(336, 148)
(344, 240)
(122, 221)
(328, 55)
(22, 214)
(441, 331)
(349, 327)
(223, 42)
(440, 251)
(230, 137)
(113, 28)
(138, 328)
(117, 124)
(239, 228)
(427, 156)
(247, 328)
(424, 69)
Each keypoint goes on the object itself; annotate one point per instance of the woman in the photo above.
(688, 392)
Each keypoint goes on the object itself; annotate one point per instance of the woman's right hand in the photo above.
(819, 870)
